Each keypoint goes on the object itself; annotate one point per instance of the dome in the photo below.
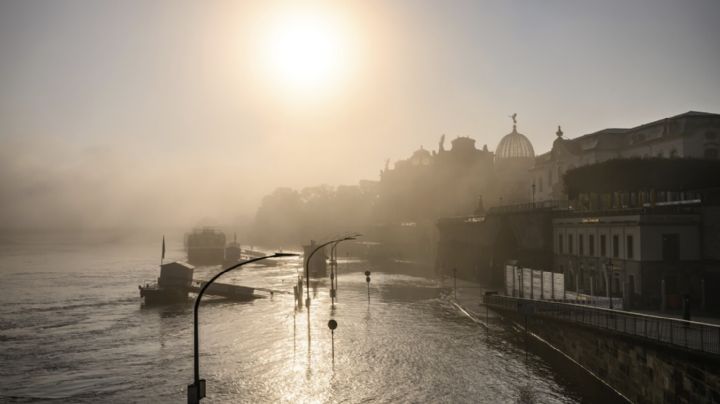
(421, 157)
(514, 145)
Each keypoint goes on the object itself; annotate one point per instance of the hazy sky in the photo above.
(158, 113)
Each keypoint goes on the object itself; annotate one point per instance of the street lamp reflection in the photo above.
(196, 391)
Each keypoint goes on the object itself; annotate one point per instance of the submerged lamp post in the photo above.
(196, 391)
(334, 266)
(333, 272)
(367, 280)
(309, 257)
(332, 325)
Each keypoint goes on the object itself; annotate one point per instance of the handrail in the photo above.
(686, 334)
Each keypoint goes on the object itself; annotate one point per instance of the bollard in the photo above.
(299, 287)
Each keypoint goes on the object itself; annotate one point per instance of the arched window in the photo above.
(673, 153)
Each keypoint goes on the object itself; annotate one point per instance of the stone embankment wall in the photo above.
(642, 371)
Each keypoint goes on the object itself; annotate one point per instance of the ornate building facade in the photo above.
(456, 182)
(630, 213)
(692, 134)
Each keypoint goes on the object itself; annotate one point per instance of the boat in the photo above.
(205, 246)
(252, 253)
(233, 253)
(173, 285)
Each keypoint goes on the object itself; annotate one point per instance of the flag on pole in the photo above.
(163, 249)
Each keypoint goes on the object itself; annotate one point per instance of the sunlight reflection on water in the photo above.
(79, 334)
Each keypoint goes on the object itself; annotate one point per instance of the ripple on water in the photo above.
(87, 339)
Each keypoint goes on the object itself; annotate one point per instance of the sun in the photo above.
(306, 50)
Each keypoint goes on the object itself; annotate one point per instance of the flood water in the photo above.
(72, 329)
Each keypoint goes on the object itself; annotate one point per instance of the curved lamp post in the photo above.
(333, 271)
(196, 391)
(307, 264)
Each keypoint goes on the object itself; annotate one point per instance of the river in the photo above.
(73, 329)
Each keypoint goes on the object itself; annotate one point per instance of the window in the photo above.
(711, 153)
(540, 181)
(670, 247)
(550, 177)
(603, 245)
(630, 247)
(710, 135)
(616, 246)
(591, 245)
(571, 250)
(581, 244)
(560, 243)
(673, 153)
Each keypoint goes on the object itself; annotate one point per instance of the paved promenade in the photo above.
(468, 297)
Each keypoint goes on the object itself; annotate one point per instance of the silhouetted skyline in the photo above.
(131, 113)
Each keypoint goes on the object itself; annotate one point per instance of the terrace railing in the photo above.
(685, 334)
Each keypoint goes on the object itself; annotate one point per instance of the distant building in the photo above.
(633, 212)
(638, 255)
(692, 134)
(417, 191)
(429, 185)
(646, 230)
(478, 247)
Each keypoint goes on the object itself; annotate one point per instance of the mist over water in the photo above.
(130, 122)
(180, 114)
(74, 329)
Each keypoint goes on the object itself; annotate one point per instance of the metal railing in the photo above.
(680, 333)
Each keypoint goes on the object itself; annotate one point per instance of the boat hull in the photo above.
(158, 296)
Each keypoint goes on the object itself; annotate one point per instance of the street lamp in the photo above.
(334, 267)
(333, 272)
(196, 391)
(307, 263)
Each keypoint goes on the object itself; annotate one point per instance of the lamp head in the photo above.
(281, 255)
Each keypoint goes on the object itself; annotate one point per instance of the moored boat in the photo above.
(172, 286)
(205, 246)
(233, 253)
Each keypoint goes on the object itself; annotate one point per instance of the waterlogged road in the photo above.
(73, 329)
